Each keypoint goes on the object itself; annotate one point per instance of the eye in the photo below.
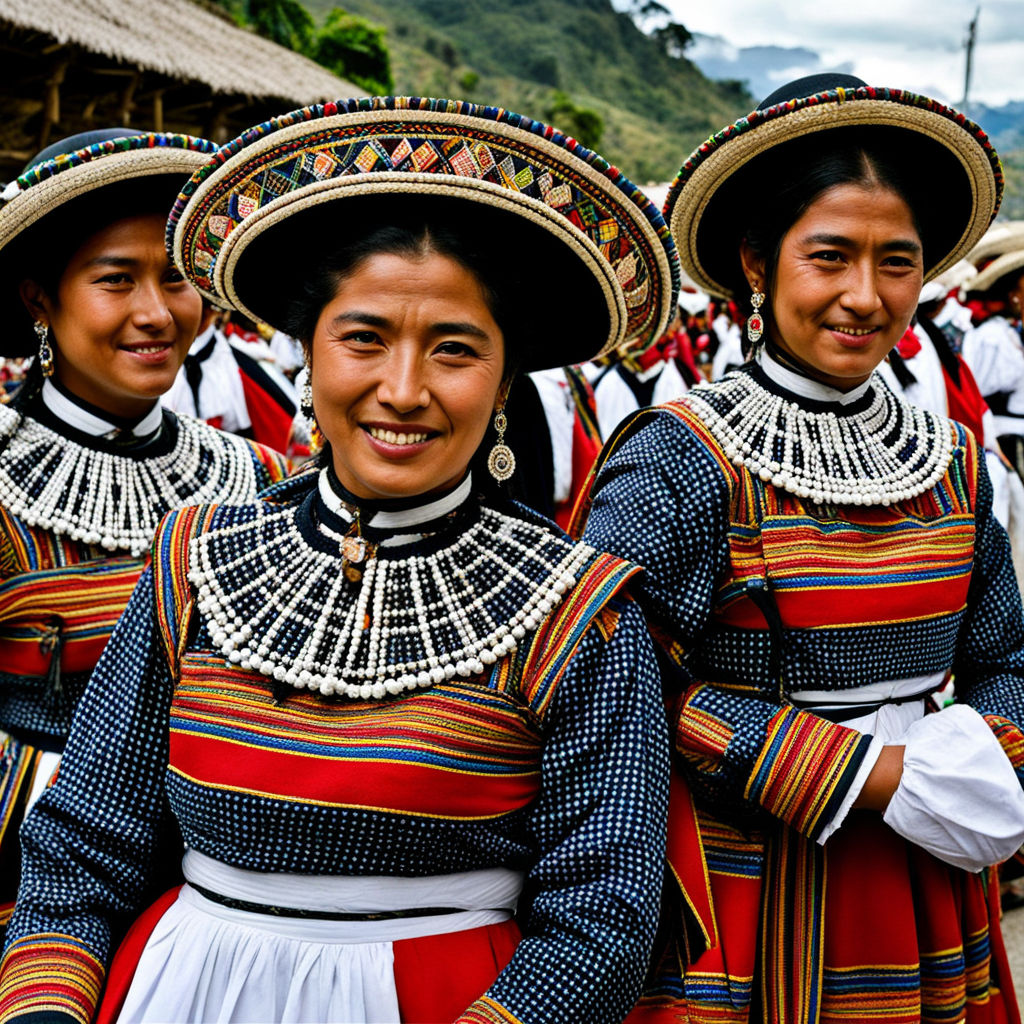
(175, 276)
(361, 337)
(900, 262)
(119, 278)
(827, 256)
(455, 348)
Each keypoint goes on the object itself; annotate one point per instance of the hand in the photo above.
(882, 781)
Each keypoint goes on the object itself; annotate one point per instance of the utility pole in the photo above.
(969, 46)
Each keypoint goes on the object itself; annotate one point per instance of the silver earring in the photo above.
(755, 322)
(306, 395)
(501, 463)
(45, 349)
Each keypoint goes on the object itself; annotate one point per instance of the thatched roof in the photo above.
(173, 65)
(183, 41)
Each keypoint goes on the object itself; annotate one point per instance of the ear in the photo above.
(209, 316)
(502, 396)
(36, 300)
(753, 267)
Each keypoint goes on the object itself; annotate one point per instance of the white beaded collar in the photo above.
(864, 447)
(116, 501)
(274, 596)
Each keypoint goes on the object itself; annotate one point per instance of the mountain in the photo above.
(520, 54)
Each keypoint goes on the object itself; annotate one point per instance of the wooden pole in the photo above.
(51, 102)
(158, 110)
(125, 110)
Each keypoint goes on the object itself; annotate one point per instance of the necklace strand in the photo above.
(113, 501)
(410, 622)
(888, 452)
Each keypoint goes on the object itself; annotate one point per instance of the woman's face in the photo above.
(847, 282)
(123, 317)
(406, 369)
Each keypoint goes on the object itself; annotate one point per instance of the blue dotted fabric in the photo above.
(663, 502)
(592, 842)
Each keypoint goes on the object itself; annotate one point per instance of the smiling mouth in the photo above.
(393, 437)
(854, 332)
(148, 349)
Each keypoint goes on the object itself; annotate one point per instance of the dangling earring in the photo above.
(501, 462)
(755, 322)
(45, 350)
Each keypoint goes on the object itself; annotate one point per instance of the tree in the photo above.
(354, 48)
(581, 122)
(674, 38)
(286, 22)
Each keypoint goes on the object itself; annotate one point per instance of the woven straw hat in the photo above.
(992, 272)
(93, 171)
(593, 260)
(1006, 236)
(708, 202)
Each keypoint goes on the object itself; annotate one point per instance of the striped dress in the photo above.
(552, 763)
(754, 595)
(59, 601)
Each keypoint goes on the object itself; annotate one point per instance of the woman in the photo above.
(994, 350)
(88, 462)
(382, 704)
(819, 556)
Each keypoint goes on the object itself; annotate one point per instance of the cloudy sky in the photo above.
(912, 44)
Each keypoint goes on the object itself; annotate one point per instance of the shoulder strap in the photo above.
(170, 575)
(549, 652)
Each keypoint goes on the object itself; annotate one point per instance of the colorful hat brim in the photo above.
(46, 192)
(997, 269)
(364, 151)
(695, 211)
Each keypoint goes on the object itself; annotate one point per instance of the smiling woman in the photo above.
(411, 732)
(89, 463)
(821, 557)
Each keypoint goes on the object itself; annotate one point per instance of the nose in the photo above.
(860, 292)
(150, 310)
(403, 384)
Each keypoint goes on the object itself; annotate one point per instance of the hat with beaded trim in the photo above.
(89, 178)
(718, 182)
(590, 260)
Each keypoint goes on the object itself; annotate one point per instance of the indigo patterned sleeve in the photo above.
(989, 668)
(663, 500)
(591, 900)
(90, 839)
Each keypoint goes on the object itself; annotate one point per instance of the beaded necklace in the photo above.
(110, 500)
(276, 599)
(865, 447)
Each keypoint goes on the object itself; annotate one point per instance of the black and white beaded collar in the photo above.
(867, 446)
(111, 499)
(276, 598)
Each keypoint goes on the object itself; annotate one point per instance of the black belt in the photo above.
(320, 915)
(845, 712)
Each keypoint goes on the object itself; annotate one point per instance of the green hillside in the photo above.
(521, 53)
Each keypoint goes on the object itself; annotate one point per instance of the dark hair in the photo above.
(784, 184)
(412, 239)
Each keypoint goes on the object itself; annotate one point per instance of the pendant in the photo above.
(354, 552)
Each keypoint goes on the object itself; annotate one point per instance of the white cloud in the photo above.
(911, 44)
